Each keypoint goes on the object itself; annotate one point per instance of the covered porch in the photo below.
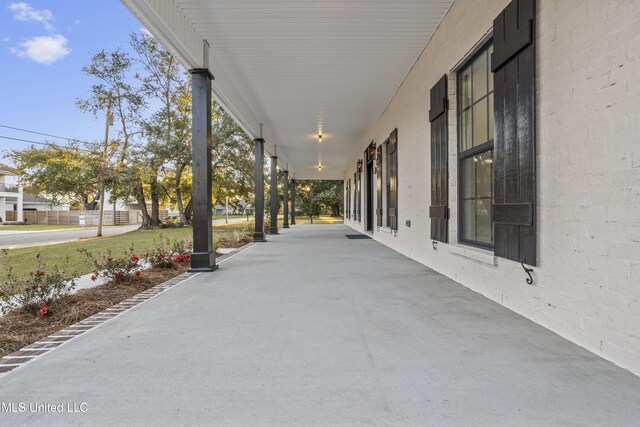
(296, 334)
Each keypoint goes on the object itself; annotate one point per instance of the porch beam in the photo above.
(258, 233)
(203, 258)
(286, 200)
(273, 229)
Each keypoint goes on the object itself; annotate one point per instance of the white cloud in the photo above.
(5, 39)
(23, 12)
(44, 49)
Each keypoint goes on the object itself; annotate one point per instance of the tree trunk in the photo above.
(155, 202)
(179, 201)
(181, 215)
(311, 218)
(146, 219)
(188, 211)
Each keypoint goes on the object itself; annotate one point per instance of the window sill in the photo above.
(481, 255)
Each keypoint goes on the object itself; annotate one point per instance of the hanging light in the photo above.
(320, 136)
(359, 165)
(320, 167)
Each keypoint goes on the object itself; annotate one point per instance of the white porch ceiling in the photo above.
(300, 66)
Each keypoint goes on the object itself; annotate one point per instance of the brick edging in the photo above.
(32, 351)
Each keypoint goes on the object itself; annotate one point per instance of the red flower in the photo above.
(93, 277)
(188, 256)
(43, 309)
(138, 273)
(109, 259)
(147, 254)
(134, 258)
(118, 276)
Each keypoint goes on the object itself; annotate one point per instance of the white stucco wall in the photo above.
(587, 282)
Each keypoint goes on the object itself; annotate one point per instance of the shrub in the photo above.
(216, 242)
(240, 235)
(168, 253)
(44, 285)
(174, 222)
(115, 269)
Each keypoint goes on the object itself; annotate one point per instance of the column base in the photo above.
(203, 262)
(258, 237)
(273, 231)
(285, 226)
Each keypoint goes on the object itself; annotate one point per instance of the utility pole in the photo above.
(104, 166)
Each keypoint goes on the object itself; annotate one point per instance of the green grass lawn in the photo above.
(232, 216)
(22, 259)
(38, 227)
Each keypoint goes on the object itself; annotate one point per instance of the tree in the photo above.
(319, 197)
(166, 130)
(111, 70)
(114, 91)
(63, 174)
(233, 163)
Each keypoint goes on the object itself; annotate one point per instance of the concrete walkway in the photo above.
(311, 328)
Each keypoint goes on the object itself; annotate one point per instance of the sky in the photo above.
(43, 46)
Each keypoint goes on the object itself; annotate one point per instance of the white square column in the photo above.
(19, 207)
(3, 208)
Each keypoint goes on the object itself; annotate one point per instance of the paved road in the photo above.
(17, 239)
(332, 332)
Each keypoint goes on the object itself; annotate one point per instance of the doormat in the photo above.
(357, 236)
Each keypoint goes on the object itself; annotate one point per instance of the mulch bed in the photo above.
(20, 328)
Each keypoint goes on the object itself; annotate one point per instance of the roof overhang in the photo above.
(299, 68)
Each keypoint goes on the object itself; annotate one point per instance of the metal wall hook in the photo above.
(528, 271)
(434, 244)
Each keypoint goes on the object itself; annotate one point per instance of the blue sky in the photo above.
(43, 46)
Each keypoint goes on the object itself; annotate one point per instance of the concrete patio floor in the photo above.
(311, 328)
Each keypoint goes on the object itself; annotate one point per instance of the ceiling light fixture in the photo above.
(320, 136)
(320, 167)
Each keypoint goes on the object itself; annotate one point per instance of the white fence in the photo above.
(73, 217)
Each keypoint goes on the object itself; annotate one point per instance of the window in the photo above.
(475, 131)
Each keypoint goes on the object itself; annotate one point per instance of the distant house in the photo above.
(242, 207)
(35, 203)
(12, 196)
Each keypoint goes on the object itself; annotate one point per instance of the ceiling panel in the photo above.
(302, 66)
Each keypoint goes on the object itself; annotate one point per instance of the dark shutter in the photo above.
(513, 65)
(358, 195)
(355, 185)
(379, 186)
(439, 211)
(392, 158)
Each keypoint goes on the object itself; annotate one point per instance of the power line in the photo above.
(48, 144)
(49, 135)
